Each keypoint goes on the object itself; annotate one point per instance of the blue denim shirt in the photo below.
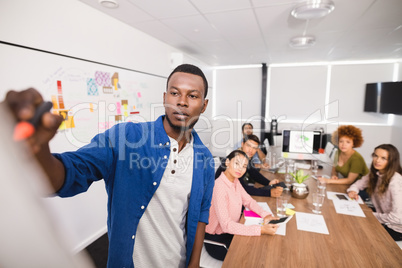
(131, 158)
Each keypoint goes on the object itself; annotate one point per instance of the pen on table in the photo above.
(26, 129)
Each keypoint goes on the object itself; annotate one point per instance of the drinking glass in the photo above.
(281, 205)
(273, 160)
(314, 167)
(318, 200)
(290, 168)
(286, 194)
(321, 186)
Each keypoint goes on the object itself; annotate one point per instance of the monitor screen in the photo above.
(297, 141)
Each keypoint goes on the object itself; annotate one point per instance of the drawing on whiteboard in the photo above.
(85, 93)
(92, 88)
(68, 121)
(118, 108)
(115, 81)
(108, 90)
(125, 107)
(103, 79)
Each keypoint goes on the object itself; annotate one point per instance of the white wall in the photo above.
(235, 100)
(315, 96)
(72, 28)
(396, 136)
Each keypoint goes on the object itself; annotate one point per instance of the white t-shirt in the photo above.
(161, 237)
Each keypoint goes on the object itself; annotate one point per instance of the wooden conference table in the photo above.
(352, 241)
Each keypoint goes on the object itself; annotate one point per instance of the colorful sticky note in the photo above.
(118, 108)
(118, 118)
(249, 213)
(290, 212)
(61, 102)
(59, 87)
(115, 81)
(54, 101)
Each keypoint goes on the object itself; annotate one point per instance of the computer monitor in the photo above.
(301, 144)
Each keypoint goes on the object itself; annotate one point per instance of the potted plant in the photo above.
(299, 189)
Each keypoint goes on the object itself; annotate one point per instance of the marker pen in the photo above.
(26, 129)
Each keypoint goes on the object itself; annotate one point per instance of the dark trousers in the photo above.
(215, 251)
(364, 195)
(395, 235)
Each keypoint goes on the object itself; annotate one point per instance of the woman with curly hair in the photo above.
(384, 185)
(349, 164)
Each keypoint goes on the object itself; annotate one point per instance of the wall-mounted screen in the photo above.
(384, 97)
(372, 97)
(391, 98)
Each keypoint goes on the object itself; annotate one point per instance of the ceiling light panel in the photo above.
(302, 41)
(313, 9)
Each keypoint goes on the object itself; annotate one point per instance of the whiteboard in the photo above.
(86, 92)
(92, 97)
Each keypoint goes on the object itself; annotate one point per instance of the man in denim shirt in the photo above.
(158, 175)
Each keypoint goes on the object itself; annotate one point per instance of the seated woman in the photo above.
(249, 147)
(226, 207)
(349, 164)
(384, 185)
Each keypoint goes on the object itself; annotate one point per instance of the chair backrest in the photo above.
(330, 150)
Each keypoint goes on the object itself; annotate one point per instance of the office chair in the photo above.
(206, 260)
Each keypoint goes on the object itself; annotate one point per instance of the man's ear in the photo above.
(164, 96)
(204, 107)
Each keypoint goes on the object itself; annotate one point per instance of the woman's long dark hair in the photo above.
(232, 155)
(393, 166)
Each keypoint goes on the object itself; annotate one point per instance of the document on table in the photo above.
(332, 196)
(311, 223)
(348, 208)
(252, 220)
(264, 206)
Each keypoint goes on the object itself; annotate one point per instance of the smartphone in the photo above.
(278, 221)
(341, 197)
(280, 184)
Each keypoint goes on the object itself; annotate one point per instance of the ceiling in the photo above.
(238, 32)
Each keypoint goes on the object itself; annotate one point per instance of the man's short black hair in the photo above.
(190, 69)
(251, 137)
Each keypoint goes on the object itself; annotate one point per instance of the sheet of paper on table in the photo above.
(311, 223)
(348, 208)
(332, 196)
